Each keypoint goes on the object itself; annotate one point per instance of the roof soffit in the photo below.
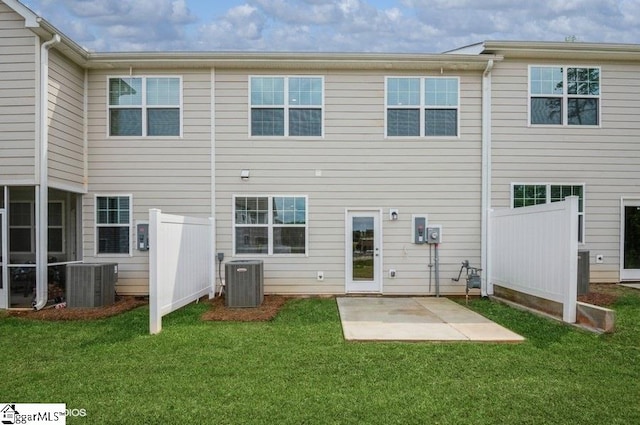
(302, 61)
(563, 51)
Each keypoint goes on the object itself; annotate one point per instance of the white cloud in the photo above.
(122, 24)
(337, 25)
(316, 25)
(241, 28)
(468, 21)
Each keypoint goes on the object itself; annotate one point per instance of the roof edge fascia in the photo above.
(43, 29)
(541, 48)
(72, 49)
(280, 59)
(30, 18)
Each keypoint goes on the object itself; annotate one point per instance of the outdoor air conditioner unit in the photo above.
(244, 285)
(91, 285)
(583, 272)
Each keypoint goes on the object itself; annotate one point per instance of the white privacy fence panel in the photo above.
(534, 250)
(180, 263)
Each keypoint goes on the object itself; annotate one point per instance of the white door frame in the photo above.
(4, 291)
(626, 274)
(374, 286)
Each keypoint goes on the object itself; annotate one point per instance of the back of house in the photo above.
(343, 173)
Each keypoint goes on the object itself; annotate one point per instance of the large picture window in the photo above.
(113, 224)
(524, 195)
(270, 225)
(422, 106)
(145, 106)
(286, 106)
(564, 95)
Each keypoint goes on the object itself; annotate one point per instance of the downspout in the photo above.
(212, 167)
(485, 251)
(42, 222)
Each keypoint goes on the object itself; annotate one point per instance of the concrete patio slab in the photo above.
(631, 285)
(416, 319)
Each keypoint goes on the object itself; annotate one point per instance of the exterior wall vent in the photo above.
(244, 283)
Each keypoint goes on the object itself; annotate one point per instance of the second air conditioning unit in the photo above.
(91, 285)
(244, 285)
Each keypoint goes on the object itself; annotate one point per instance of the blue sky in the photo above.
(428, 26)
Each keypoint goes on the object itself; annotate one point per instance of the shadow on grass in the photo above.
(539, 331)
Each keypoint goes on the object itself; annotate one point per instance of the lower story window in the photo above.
(113, 224)
(270, 225)
(524, 195)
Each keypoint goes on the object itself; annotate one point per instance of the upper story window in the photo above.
(286, 106)
(564, 95)
(145, 106)
(422, 106)
(524, 195)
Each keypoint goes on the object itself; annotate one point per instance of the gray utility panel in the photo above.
(91, 285)
(244, 285)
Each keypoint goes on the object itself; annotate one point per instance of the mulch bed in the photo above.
(217, 312)
(601, 294)
(265, 312)
(60, 314)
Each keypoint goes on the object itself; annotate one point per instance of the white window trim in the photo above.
(144, 107)
(286, 107)
(548, 199)
(270, 225)
(422, 107)
(564, 96)
(96, 225)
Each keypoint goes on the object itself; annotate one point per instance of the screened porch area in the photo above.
(21, 242)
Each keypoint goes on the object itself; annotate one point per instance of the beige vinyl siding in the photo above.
(18, 47)
(172, 174)
(359, 168)
(605, 159)
(66, 123)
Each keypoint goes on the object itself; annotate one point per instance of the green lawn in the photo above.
(299, 370)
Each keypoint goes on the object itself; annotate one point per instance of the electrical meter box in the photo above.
(142, 241)
(419, 229)
(434, 234)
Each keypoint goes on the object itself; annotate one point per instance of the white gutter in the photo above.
(42, 220)
(485, 251)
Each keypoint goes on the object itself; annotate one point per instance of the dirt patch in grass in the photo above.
(56, 314)
(265, 312)
(602, 294)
